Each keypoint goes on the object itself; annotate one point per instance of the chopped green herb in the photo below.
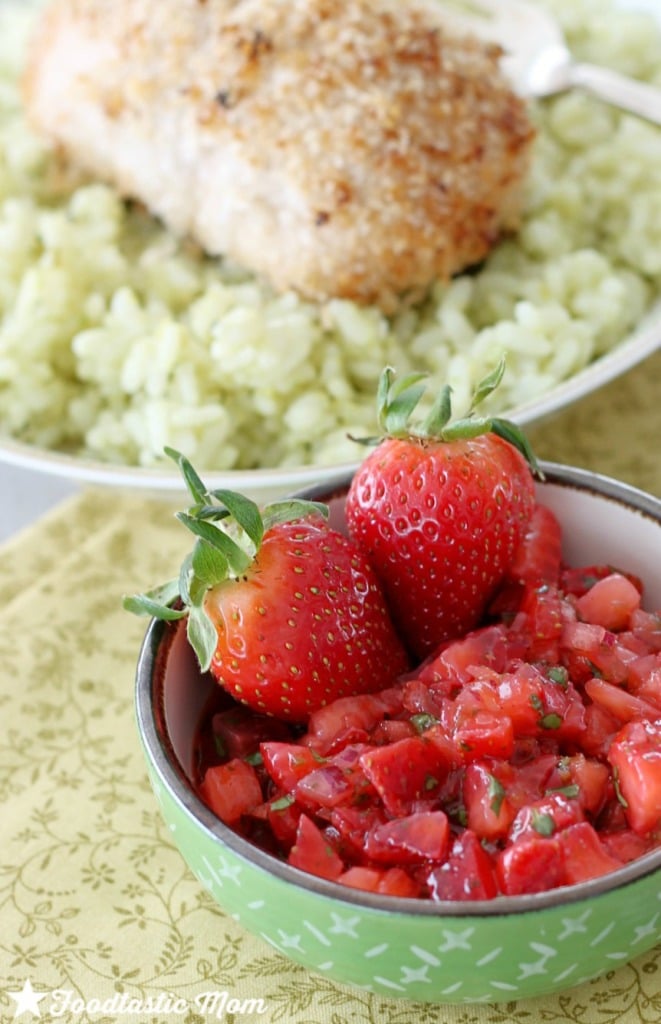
(282, 803)
(570, 791)
(220, 746)
(430, 782)
(543, 823)
(559, 674)
(618, 791)
(423, 721)
(496, 794)
(551, 721)
(536, 702)
(255, 758)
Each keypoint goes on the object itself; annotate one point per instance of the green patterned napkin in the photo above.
(100, 919)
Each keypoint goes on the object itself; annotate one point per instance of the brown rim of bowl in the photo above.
(148, 704)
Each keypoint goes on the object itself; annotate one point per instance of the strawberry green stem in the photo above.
(228, 528)
(397, 401)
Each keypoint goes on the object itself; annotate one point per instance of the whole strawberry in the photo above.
(440, 510)
(286, 613)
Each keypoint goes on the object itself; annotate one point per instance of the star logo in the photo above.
(27, 1000)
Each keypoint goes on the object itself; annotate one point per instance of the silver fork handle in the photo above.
(625, 93)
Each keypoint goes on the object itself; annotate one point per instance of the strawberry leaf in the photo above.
(292, 508)
(397, 401)
(245, 512)
(466, 427)
(487, 385)
(156, 603)
(511, 432)
(193, 482)
(439, 414)
(185, 573)
(202, 636)
(237, 559)
(208, 564)
(202, 569)
(216, 513)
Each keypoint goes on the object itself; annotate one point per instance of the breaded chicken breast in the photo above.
(347, 148)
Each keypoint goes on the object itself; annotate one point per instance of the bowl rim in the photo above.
(173, 778)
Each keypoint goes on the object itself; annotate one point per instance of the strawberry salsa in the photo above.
(524, 756)
(428, 703)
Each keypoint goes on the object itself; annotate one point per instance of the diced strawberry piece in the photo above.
(600, 728)
(590, 649)
(390, 730)
(529, 779)
(282, 814)
(635, 755)
(389, 882)
(578, 581)
(512, 695)
(634, 642)
(340, 781)
(359, 877)
(543, 612)
(612, 817)
(313, 853)
(488, 810)
(585, 778)
(592, 780)
(530, 865)
(397, 882)
(286, 763)
(351, 718)
(418, 699)
(645, 678)
(537, 558)
(610, 602)
(450, 796)
(404, 774)
(650, 692)
(484, 734)
(231, 790)
(584, 854)
(353, 823)
(545, 817)
(625, 845)
(538, 707)
(646, 626)
(238, 731)
(449, 669)
(409, 840)
(324, 787)
(445, 748)
(467, 874)
(582, 637)
(624, 706)
(644, 669)
(476, 695)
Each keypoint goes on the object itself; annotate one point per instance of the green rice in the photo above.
(116, 339)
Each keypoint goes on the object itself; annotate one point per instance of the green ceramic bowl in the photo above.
(502, 949)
